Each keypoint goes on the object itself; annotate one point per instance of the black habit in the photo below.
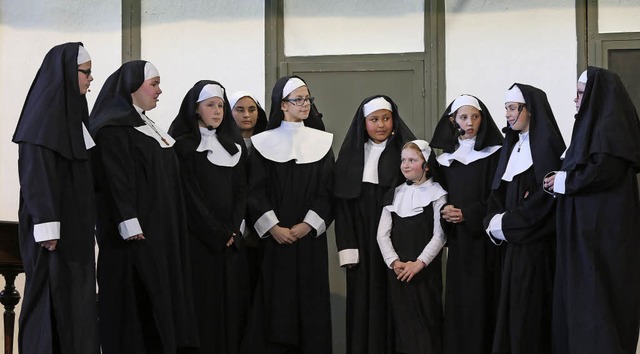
(473, 262)
(215, 198)
(145, 302)
(291, 309)
(56, 186)
(596, 305)
(524, 309)
(358, 206)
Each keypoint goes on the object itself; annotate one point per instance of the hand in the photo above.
(410, 270)
(398, 267)
(300, 230)
(230, 242)
(549, 182)
(350, 265)
(452, 214)
(50, 245)
(282, 235)
(136, 237)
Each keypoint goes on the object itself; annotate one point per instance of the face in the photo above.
(579, 94)
(146, 97)
(245, 113)
(517, 120)
(379, 125)
(211, 112)
(469, 119)
(84, 80)
(292, 112)
(411, 162)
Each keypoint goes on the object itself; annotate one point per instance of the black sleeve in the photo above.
(345, 230)
(601, 173)
(202, 223)
(321, 205)
(115, 150)
(258, 201)
(239, 197)
(39, 182)
(533, 220)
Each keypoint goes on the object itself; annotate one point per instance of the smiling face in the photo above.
(295, 113)
(84, 80)
(469, 119)
(245, 113)
(411, 164)
(146, 97)
(516, 118)
(211, 112)
(379, 125)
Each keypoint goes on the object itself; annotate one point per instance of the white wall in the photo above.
(618, 16)
(28, 29)
(326, 27)
(194, 40)
(489, 47)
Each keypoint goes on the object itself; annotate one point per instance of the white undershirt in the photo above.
(372, 152)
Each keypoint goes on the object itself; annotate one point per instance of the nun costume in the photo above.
(290, 204)
(365, 171)
(596, 304)
(57, 208)
(145, 301)
(521, 218)
(468, 164)
(211, 156)
(409, 235)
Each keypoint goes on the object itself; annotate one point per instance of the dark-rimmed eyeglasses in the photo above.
(300, 101)
(87, 72)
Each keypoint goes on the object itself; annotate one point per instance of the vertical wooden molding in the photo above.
(131, 39)
(434, 59)
(273, 45)
(582, 35)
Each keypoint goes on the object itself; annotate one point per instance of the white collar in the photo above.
(293, 141)
(465, 153)
(88, 140)
(216, 153)
(520, 159)
(372, 152)
(408, 200)
(150, 129)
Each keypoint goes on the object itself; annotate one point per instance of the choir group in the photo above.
(212, 235)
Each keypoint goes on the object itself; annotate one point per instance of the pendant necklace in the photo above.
(522, 141)
(152, 125)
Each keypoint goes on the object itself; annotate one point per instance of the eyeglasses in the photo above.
(87, 72)
(300, 101)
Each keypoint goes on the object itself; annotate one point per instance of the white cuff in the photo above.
(129, 228)
(559, 184)
(495, 229)
(349, 256)
(46, 231)
(316, 222)
(243, 227)
(265, 223)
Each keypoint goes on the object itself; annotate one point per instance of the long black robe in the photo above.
(56, 185)
(596, 305)
(291, 304)
(416, 305)
(145, 303)
(524, 309)
(474, 265)
(358, 206)
(215, 199)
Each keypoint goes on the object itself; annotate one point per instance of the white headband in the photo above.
(514, 95)
(210, 90)
(464, 100)
(150, 71)
(236, 96)
(583, 77)
(83, 55)
(376, 104)
(424, 148)
(291, 85)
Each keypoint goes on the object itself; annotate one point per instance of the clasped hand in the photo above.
(287, 236)
(452, 214)
(405, 271)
